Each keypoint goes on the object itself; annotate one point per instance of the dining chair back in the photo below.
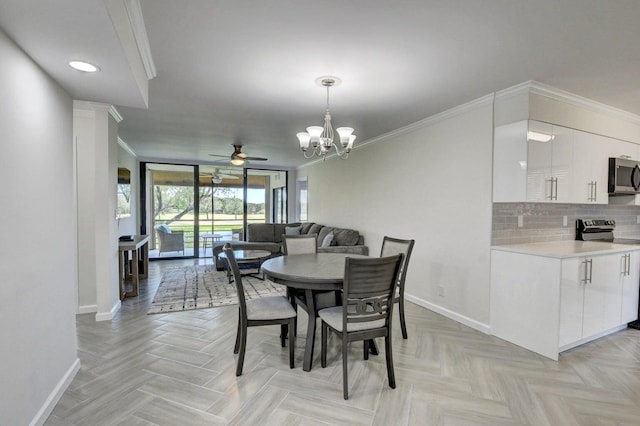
(268, 310)
(391, 246)
(368, 299)
(300, 244)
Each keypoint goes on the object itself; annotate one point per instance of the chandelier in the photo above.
(319, 138)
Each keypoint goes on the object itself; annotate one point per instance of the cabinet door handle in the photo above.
(588, 271)
(553, 183)
(627, 269)
(593, 191)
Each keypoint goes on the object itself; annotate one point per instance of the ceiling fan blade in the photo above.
(217, 155)
(256, 158)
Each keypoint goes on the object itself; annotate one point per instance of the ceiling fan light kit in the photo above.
(239, 158)
(320, 138)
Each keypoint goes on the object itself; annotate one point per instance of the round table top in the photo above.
(307, 270)
(248, 254)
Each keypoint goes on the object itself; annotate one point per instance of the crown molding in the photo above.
(126, 147)
(537, 88)
(426, 122)
(134, 12)
(582, 102)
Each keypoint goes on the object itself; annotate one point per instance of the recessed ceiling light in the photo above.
(83, 66)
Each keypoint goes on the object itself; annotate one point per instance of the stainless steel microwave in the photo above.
(624, 176)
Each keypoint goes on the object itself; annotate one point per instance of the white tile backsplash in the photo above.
(542, 222)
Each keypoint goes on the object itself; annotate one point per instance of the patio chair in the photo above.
(366, 311)
(261, 311)
(170, 240)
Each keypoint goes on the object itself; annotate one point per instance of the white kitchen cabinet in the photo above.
(533, 161)
(549, 162)
(620, 149)
(590, 168)
(631, 288)
(549, 304)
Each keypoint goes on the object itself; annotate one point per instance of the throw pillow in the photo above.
(327, 240)
(346, 237)
(292, 230)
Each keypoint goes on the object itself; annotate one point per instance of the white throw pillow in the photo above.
(327, 240)
(292, 230)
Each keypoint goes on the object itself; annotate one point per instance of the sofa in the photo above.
(268, 236)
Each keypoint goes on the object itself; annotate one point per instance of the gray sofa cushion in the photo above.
(315, 229)
(345, 237)
(260, 232)
(304, 228)
(326, 230)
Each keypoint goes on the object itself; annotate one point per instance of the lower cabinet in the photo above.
(549, 305)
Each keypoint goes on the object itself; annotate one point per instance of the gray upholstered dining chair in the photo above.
(256, 312)
(391, 246)
(300, 244)
(366, 311)
(306, 244)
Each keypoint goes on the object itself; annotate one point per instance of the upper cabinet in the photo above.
(549, 162)
(542, 162)
(590, 159)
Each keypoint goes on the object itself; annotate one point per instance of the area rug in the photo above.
(201, 286)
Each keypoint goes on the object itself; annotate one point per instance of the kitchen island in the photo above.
(550, 297)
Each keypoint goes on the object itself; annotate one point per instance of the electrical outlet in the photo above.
(520, 221)
(441, 290)
(565, 222)
(637, 219)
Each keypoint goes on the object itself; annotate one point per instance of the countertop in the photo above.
(567, 249)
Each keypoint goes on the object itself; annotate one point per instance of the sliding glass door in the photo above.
(188, 208)
(171, 210)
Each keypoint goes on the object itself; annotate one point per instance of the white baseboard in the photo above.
(87, 309)
(46, 409)
(469, 322)
(108, 316)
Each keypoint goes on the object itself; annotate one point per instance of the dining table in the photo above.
(312, 273)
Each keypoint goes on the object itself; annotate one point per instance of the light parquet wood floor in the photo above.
(178, 369)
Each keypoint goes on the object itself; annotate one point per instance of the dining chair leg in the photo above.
(323, 346)
(365, 347)
(283, 334)
(237, 345)
(243, 347)
(292, 342)
(345, 371)
(403, 323)
(390, 373)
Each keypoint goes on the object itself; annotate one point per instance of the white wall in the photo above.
(432, 183)
(96, 133)
(37, 248)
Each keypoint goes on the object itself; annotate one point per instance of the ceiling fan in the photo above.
(216, 176)
(238, 158)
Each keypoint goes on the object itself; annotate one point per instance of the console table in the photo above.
(138, 267)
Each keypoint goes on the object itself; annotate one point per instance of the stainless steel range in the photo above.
(602, 230)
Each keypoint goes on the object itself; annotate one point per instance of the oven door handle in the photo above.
(635, 177)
